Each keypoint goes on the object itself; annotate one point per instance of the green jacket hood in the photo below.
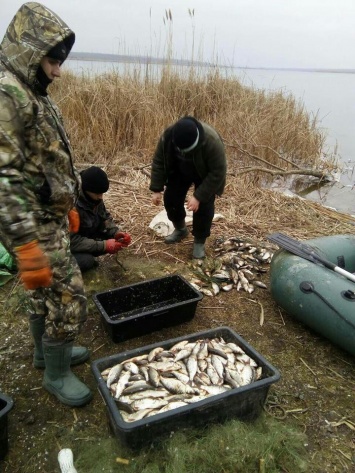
(32, 33)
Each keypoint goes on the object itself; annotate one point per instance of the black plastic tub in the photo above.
(145, 307)
(244, 403)
(6, 404)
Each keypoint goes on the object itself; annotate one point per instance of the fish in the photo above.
(179, 346)
(136, 387)
(247, 375)
(184, 353)
(132, 367)
(154, 376)
(151, 393)
(137, 415)
(172, 405)
(177, 387)
(148, 403)
(184, 378)
(153, 353)
(260, 284)
(203, 351)
(114, 374)
(164, 365)
(191, 365)
(213, 375)
(218, 365)
(187, 372)
(214, 390)
(231, 256)
(202, 378)
(121, 384)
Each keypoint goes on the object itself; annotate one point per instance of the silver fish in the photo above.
(121, 384)
(132, 367)
(138, 415)
(213, 390)
(153, 353)
(164, 365)
(247, 375)
(203, 351)
(113, 374)
(217, 365)
(136, 387)
(184, 353)
(213, 375)
(172, 405)
(177, 387)
(191, 365)
(154, 376)
(181, 376)
(151, 393)
(179, 346)
(148, 403)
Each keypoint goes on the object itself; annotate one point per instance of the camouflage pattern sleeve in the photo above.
(16, 218)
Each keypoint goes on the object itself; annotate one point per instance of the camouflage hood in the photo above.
(33, 31)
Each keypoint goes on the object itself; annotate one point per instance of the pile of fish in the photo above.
(162, 380)
(237, 264)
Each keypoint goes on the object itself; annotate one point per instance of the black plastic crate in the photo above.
(244, 403)
(6, 404)
(145, 307)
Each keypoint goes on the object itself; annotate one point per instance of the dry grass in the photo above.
(115, 121)
(112, 113)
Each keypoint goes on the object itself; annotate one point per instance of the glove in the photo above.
(112, 246)
(74, 221)
(123, 238)
(33, 266)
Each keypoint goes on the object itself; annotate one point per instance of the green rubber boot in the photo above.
(178, 234)
(198, 251)
(37, 327)
(58, 378)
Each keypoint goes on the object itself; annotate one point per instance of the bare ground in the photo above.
(317, 385)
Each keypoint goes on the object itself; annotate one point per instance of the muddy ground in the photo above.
(316, 389)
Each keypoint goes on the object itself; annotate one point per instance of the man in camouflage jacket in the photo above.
(38, 188)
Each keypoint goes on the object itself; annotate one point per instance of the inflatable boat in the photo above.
(316, 295)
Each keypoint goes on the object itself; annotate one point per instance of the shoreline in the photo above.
(146, 60)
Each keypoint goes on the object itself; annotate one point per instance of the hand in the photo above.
(33, 266)
(74, 221)
(123, 238)
(156, 198)
(192, 204)
(112, 246)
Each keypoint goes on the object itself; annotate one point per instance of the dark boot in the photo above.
(37, 327)
(199, 249)
(178, 234)
(58, 378)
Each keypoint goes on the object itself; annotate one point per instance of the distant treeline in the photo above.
(81, 56)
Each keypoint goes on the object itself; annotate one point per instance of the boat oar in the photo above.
(307, 252)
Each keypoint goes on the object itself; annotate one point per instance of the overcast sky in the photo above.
(246, 33)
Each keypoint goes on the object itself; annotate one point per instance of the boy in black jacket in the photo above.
(98, 233)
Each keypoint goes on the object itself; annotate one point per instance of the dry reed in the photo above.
(115, 121)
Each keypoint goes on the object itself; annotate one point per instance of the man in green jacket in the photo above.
(189, 152)
(38, 188)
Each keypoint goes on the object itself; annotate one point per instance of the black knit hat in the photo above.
(185, 134)
(59, 52)
(95, 180)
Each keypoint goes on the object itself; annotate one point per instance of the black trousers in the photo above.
(85, 261)
(174, 199)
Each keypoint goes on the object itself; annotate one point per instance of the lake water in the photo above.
(329, 96)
